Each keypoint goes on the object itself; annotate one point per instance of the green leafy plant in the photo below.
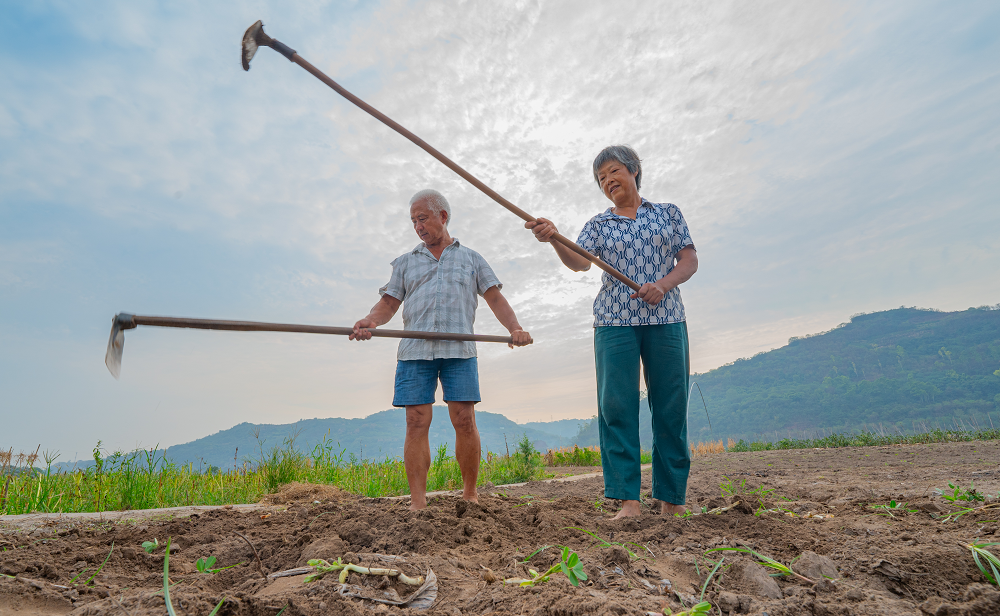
(151, 546)
(204, 565)
(767, 561)
(702, 609)
(91, 578)
(704, 587)
(166, 587)
(979, 554)
(601, 543)
(569, 564)
(759, 495)
(958, 494)
(892, 508)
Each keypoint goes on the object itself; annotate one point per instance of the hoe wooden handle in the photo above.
(318, 74)
(256, 326)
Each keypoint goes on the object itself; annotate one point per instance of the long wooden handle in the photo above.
(256, 326)
(296, 58)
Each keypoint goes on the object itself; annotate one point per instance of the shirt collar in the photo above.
(608, 214)
(421, 248)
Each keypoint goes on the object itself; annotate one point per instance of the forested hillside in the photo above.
(898, 369)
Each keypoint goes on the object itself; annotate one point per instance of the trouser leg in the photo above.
(666, 367)
(616, 353)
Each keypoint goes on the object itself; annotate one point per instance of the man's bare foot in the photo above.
(417, 505)
(474, 499)
(671, 509)
(630, 509)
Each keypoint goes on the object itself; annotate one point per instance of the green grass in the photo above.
(144, 480)
(871, 438)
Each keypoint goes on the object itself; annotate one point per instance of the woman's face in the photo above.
(617, 183)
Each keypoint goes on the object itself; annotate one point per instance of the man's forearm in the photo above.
(384, 310)
(502, 310)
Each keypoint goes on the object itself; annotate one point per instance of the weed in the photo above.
(106, 559)
(601, 543)
(704, 587)
(730, 489)
(892, 508)
(150, 546)
(979, 551)
(166, 586)
(569, 564)
(702, 609)
(767, 561)
(958, 494)
(204, 565)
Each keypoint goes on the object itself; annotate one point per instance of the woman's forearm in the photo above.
(684, 269)
(571, 259)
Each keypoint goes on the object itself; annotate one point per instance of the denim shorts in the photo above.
(417, 379)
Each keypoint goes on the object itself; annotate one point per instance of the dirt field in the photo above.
(906, 563)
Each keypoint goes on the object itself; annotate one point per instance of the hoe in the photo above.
(123, 321)
(255, 38)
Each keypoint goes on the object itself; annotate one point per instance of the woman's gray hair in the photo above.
(623, 154)
(435, 201)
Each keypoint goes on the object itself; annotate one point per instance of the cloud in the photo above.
(830, 158)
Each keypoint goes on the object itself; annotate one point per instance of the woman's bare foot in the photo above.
(630, 509)
(671, 509)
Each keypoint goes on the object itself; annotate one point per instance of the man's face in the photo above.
(430, 226)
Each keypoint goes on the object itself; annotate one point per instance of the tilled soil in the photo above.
(862, 560)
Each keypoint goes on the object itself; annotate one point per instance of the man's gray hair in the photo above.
(623, 154)
(435, 201)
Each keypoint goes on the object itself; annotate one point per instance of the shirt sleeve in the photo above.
(681, 236)
(589, 238)
(485, 276)
(396, 286)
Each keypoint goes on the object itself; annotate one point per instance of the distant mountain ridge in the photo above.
(376, 436)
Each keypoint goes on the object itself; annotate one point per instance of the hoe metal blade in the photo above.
(255, 38)
(250, 43)
(116, 342)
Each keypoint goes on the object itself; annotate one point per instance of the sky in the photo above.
(831, 158)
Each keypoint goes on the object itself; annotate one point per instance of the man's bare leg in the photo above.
(467, 447)
(630, 509)
(417, 453)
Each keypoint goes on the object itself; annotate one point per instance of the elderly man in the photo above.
(438, 282)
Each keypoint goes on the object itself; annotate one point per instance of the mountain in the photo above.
(374, 437)
(905, 369)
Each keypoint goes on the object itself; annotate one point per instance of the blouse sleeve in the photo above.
(681, 236)
(588, 239)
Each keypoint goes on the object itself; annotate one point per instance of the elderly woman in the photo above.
(649, 243)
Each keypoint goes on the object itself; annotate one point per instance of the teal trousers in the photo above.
(663, 351)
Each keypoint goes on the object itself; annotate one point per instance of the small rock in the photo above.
(816, 567)
(757, 580)
(728, 602)
(931, 507)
